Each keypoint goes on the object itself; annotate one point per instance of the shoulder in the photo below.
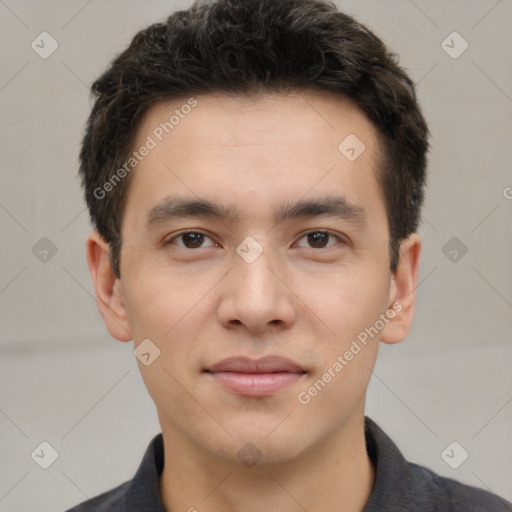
(409, 487)
(442, 494)
(109, 501)
(140, 493)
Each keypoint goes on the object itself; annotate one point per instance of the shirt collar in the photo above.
(143, 491)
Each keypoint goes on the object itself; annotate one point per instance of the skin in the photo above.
(307, 302)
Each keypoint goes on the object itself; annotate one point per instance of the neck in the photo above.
(337, 476)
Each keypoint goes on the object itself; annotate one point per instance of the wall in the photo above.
(65, 381)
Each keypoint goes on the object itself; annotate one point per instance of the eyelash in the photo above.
(177, 236)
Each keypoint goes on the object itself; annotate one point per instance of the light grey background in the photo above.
(65, 381)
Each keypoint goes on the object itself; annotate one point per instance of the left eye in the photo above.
(319, 239)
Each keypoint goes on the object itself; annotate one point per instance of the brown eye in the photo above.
(190, 240)
(319, 239)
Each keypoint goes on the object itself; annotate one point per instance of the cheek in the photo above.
(344, 303)
(155, 302)
(165, 311)
(172, 310)
(350, 307)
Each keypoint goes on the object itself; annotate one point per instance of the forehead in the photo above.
(257, 118)
(255, 151)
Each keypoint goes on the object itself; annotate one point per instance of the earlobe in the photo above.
(402, 296)
(109, 293)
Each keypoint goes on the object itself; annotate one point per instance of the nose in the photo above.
(257, 297)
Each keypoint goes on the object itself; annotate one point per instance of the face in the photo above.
(249, 232)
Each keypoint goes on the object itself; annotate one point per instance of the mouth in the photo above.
(255, 377)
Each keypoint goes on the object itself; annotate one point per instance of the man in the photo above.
(255, 173)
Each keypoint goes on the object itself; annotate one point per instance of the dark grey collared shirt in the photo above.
(400, 486)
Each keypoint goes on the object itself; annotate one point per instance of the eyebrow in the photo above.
(334, 206)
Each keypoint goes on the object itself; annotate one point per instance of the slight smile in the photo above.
(260, 377)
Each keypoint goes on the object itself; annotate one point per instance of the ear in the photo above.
(109, 293)
(402, 291)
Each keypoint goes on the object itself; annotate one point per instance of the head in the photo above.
(287, 122)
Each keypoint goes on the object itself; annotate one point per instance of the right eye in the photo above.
(190, 240)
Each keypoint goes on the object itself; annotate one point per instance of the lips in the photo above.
(255, 377)
(268, 364)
